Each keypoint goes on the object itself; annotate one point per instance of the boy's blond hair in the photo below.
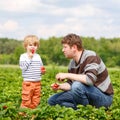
(31, 39)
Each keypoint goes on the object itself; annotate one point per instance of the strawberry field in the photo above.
(10, 99)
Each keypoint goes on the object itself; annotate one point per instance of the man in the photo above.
(87, 82)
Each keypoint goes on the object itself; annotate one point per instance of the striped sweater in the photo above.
(30, 67)
(95, 70)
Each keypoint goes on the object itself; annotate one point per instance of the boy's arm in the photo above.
(24, 63)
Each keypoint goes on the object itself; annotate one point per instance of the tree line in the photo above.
(51, 50)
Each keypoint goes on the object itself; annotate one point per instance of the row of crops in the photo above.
(10, 99)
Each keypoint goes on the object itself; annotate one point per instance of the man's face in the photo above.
(68, 51)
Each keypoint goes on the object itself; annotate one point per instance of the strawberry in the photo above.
(32, 51)
(55, 85)
(42, 68)
(4, 107)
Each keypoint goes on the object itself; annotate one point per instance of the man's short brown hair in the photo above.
(72, 39)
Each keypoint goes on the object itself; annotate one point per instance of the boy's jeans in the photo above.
(81, 94)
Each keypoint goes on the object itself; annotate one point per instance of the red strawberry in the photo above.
(55, 86)
(32, 51)
(4, 107)
(42, 68)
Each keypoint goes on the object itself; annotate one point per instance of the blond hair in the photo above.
(31, 39)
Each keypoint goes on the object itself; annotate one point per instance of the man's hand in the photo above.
(63, 86)
(61, 76)
(55, 86)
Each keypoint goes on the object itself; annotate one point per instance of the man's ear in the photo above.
(74, 47)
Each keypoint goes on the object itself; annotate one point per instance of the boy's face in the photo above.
(31, 47)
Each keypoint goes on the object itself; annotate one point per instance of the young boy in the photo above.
(32, 69)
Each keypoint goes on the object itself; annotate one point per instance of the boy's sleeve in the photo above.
(24, 63)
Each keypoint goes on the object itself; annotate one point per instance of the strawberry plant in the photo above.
(10, 99)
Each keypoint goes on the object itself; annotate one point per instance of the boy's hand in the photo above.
(43, 70)
(31, 53)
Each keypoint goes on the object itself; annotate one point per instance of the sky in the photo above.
(48, 18)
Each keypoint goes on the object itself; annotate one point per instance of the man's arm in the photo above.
(78, 77)
(65, 86)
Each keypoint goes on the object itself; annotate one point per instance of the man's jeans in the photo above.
(81, 94)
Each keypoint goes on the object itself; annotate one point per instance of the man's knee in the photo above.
(77, 87)
(51, 101)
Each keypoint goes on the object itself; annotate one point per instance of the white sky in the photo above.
(47, 18)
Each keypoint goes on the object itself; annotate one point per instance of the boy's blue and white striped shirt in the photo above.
(31, 67)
